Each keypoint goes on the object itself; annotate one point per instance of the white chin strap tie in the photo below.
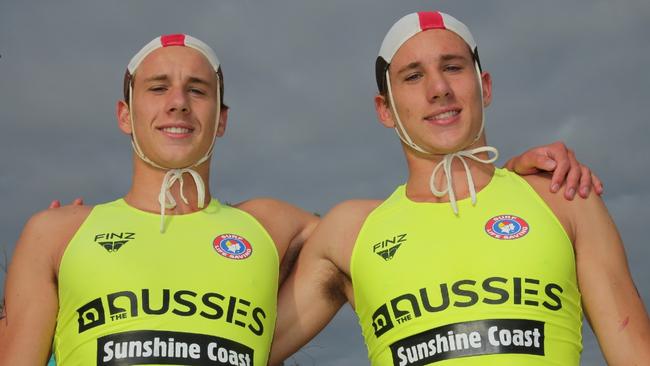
(447, 160)
(166, 199)
(445, 163)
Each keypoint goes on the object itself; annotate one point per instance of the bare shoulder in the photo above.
(352, 213)
(49, 231)
(340, 228)
(58, 220)
(571, 213)
(288, 225)
(263, 205)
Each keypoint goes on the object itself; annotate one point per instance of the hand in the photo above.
(560, 160)
(77, 202)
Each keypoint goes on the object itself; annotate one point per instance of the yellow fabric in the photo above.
(172, 295)
(518, 291)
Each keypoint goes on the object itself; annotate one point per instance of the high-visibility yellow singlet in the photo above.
(202, 293)
(495, 285)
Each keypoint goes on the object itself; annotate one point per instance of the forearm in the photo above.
(28, 324)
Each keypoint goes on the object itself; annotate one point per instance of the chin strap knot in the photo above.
(445, 163)
(166, 199)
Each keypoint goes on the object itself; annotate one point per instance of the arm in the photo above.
(557, 158)
(31, 302)
(307, 301)
(611, 301)
(320, 281)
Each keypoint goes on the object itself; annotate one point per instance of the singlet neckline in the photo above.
(214, 204)
(497, 174)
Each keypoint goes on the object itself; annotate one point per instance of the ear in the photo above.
(487, 88)
(384, 113)
(223, 121)
(123, 117)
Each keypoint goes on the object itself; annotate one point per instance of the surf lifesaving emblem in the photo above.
(232, 246)
(506, 227)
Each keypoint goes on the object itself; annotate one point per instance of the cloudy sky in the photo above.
(299, 79)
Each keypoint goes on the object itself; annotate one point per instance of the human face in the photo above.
(436, 92)
(173, 106)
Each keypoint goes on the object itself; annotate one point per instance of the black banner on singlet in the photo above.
(144, 347)
(483, 337)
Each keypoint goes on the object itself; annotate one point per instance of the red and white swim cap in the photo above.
(410, 25)
(173, 40)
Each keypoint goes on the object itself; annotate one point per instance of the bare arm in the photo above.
(31, 301)
(611, 301)
(560, 160)
(320, 281)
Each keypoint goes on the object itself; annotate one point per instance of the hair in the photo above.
(128, 79)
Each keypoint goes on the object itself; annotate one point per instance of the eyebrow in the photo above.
(164, 77)
(444, 57)
(411, 66)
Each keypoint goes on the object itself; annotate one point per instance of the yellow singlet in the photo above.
(202, 293)
(495, 285)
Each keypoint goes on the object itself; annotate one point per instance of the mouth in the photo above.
(443, 118)
(176, 131)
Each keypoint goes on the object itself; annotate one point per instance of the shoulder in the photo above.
(572, 213)
(272, 213)
(263, 206)
(48, 232)
(287, 224)
(352, 212)
(343, 224)
(57, 220)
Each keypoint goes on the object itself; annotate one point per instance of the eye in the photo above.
(452, 68)
(158, 88)
(413, 77)
(197, 91)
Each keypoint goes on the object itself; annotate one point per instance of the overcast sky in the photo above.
(300, 80)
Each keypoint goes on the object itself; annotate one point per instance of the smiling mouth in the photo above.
(442, 116)
(176, 130)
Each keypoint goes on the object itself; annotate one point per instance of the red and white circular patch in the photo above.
(232, 246)
(506, 227)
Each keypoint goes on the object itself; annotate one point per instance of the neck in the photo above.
(146, 183)
(421, 167)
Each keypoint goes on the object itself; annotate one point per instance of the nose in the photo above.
(178, 101)
(438, 88)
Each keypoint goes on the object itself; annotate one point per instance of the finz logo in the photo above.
(112, 242)
(232, 246)
(506, 227)
(388, 247)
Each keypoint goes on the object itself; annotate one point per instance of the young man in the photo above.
(156, 277)
(465, 264)
(122, 284)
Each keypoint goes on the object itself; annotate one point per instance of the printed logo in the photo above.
(146, 347)
(387, 248)
(232, 246)
(465, 293)
(112, 242)
(506, 227)
(117, 306)
(474, 338)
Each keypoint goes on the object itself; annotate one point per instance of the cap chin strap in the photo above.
(447, 160)
(173, 175)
